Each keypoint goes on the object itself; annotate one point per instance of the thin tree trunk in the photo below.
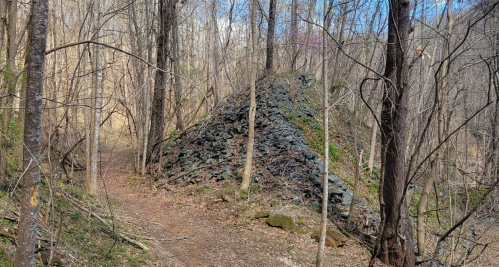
(252, 110)
(97, 93)
(341, 33)
(372, 152)
(325, 180)
(351, 211)
(216, 77)
(294, 34)
(3, 22)
(311, 11)
(30, 183)
(10, 82)
(176, 62)
(149, 88)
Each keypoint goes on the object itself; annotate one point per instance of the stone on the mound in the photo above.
(333, 238)
(281, 220)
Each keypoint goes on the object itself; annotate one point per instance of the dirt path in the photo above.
(210, 241)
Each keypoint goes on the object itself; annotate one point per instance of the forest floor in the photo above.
(186, 226)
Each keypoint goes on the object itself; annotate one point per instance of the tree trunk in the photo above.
(294, 33)
(10, 82)
(495, 125)
(372, 152)
(325, 107)
(176, 62)
(150, 87)
(310, 16)
(341, 33)
(135, 36)
(97, 91)
(30, 183)
(3, 22)
(396, 246)
(216, 77)
(160, 80)
(252, 110)
(269, 64)
(351, 210)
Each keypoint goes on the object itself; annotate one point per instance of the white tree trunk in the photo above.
(97, 108)
(325, 107)
(251, 120)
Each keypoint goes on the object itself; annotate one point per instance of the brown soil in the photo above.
(215, 234)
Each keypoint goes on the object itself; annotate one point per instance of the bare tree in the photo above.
(252, 109)
(325, 177)
(159, 93)
(30, 184)
(97, 93)
(395, 245)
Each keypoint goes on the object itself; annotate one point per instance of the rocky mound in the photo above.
(216, 148)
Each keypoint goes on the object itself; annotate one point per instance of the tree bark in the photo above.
(396, 246)
(269, 64)
(216, 45)
(30, 183)
(311, 12)
(372, 152)
(252, 111)
(97, 91)
(294, 33)
(325, 180)
(176, 69)
(351, 210)
(160, 80)
(10, 82)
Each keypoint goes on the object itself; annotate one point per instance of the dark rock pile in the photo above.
(216, 148)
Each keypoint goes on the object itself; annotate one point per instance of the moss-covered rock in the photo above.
(333, 238)
(46, 257)
(281, 220)
(262, 214)
(284, 221)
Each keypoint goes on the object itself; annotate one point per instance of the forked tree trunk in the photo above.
(160, 80)
(325, 107)
(396, 246)
(252, 110)
(28, 223)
